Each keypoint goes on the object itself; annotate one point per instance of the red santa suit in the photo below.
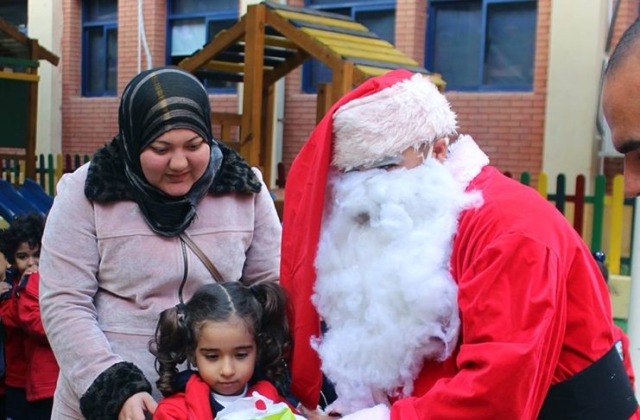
(622, 345)
(532, 317)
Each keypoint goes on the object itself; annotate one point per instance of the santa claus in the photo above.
(448, 290)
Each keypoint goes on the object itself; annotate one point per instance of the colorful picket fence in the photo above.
(49, 169)
(605, 221)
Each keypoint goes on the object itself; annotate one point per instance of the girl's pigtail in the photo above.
(274, 340)
(169, 346)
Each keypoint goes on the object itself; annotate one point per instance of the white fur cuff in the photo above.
(379, 412)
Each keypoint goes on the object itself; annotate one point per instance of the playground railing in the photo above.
(605, 221)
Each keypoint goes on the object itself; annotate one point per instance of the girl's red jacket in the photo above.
(14, 347)
(42, 368)
(194, 402)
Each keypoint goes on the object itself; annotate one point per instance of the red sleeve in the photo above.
(9, 310)
(513, 310)
(29, 309)
(171, 408)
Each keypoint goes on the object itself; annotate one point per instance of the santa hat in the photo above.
(384, 124)
(382, 117)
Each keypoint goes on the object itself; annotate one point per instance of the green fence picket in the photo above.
(598, 213)
(51, 172)
(561, 192)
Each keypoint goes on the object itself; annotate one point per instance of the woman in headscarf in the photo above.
(114, 253)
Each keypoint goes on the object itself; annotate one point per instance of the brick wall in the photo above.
(509, 126)
(88, 123)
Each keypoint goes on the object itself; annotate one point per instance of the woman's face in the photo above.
(175, 161)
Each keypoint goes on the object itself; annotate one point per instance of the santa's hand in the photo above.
(379, 412)
(316, 414)
(320, 416)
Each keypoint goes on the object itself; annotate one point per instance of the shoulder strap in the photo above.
(205, 260)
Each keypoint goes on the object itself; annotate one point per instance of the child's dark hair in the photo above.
(600, 258)
(27, 228)
(263, 308)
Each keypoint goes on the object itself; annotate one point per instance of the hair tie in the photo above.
(181, 309)
(253, 291)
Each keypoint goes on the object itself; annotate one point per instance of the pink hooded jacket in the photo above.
(105, 276)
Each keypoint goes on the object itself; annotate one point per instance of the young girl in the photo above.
(236, 337)
(21, 246)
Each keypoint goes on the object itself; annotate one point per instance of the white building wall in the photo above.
(576, 53)
(45, 25)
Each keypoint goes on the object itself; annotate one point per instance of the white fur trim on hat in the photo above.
(388, 122)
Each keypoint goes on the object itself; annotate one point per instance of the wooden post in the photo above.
(30, 152)
(342, 81)
(253, 83)
(323, 100)
(266, 146)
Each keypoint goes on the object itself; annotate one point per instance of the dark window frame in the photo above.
(107, 26)
(480, 87)
(309, 85)
(209, 16)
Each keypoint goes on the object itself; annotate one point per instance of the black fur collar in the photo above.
(106, 180)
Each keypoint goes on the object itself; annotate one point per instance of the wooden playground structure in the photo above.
(19, 60)
(269, 42)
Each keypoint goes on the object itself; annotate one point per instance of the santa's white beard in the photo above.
(383, 283)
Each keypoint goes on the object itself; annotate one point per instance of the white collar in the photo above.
(225, 400)
(465, 160)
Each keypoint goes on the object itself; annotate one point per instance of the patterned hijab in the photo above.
(154, 102)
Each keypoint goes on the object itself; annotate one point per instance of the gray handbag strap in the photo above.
(203, 257)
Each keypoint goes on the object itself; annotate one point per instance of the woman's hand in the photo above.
(137, 406)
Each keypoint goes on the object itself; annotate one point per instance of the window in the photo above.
(378, 16)
(482, 45)
(15, 12)
(192, 24)
(99, 47)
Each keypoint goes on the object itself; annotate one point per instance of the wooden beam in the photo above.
(43, 53)
(279, 41)
(27, 77)
(222, 41)
(227, 122)
(223, 66)
(288, 66)
(253, 84)
(226, 118)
